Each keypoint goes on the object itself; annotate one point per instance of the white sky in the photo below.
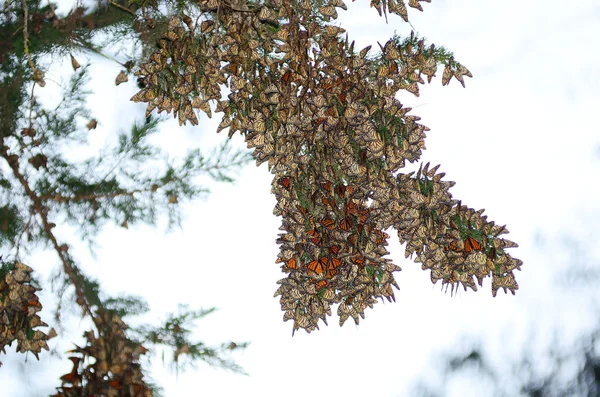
(521, 141)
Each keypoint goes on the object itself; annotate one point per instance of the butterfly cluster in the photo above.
(326, 120)
(19, 306)
(106, 366)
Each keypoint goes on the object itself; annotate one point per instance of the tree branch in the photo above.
(88, 197)
(38, 207)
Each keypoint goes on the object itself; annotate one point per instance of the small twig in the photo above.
(90, 47)
(22, 233)
(31, 102)
(123, 8)
(26, 34)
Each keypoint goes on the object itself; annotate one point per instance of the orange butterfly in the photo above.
(292, 263)
(335, 263)
(340, 190)
(331, 273)
(115, 384)
(472, 245)
(342, 97)
(327, 186)
(452, 247)
(328, 223)
(286, 76)
(380, 236)
(364, 215)
(285, 182)
(315, 239)
(346, 224)
(318, 121)
(334, 249)
(322, 284)
(394, 67)
(318, 266)
(350, 208)
(359, 228)
(328, 201)
(358, 260)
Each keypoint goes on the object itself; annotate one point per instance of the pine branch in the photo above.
(61, 250)
(90, 197)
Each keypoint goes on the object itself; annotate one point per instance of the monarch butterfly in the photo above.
(315, 239)
(292, 263)
(363, 156)
(334, 249)
(340, 190)
(452, 247)
(327, 85)
(322, 284)
(393, 68)
(358, 260)
(328, 201)
(447, 75)
(326, 186)
(359, 228)
(504, 282)
(364, 215)
(318, 121)
(115, 384)
(380, 236)
(288, 315)
(328, 11)
(330, 273)
(286, 76)
(349, 300)
(285, 182)
(346, 224)
(334, 263)
(32, 304)
(353, 239)
(343, 99)
(121, 78)
(493, 253)
(73, 375)
(350, 208)
(317, 266)
(472, 245)
(351, 111)
(376, 147)
(74, 63)
(328, 223)
(324, 261)
(207, 26)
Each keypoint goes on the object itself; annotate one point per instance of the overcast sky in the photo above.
(522, 141)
